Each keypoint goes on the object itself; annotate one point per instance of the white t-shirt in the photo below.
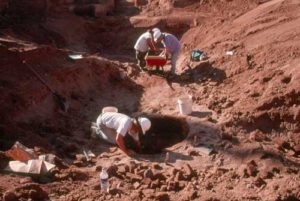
(141, 44)
(117, 121)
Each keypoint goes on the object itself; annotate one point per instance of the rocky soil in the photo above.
(246, 104)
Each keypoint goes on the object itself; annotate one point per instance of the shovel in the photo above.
(61, 101)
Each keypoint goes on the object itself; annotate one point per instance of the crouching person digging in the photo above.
(113, 127)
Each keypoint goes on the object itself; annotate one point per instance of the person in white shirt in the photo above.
(112, 127)
(144, 43)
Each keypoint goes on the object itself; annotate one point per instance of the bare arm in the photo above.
(151, 44)
(138, 144)
(121, 144)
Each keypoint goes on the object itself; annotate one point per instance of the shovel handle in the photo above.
(38, 76)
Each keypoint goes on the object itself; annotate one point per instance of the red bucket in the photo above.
(155, 61)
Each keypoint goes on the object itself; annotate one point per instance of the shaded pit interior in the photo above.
(165, 132)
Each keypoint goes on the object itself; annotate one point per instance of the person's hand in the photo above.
(130, 153)
(163, 54)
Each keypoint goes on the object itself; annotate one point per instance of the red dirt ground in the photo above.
(246, 105)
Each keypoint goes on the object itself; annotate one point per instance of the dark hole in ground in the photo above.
(165, 132)
(286, 80)
(289, 198)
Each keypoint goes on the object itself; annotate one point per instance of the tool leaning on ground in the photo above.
(61, 101)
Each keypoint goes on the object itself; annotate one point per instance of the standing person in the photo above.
(142, 46)
(112, 127)
(171, 48)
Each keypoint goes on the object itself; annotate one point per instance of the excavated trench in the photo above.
(88, 85)
(93, 82)
(165, 131)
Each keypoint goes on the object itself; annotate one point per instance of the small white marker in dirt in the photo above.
(75, 56)
(230, 53)
(205, 150)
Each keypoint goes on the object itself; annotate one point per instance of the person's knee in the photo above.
(142, 63)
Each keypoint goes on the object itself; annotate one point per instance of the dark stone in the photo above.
(252, 168)
(3, 160)
(148, 174)
(162, 196)
(259, 182)
(9, 196)
(133, 177)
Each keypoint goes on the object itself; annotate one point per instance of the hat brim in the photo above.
(136, 119)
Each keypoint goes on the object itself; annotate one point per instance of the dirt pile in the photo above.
(270, 100)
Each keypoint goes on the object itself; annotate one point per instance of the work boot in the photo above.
(157, 69)
(171, 76)
(142, 68)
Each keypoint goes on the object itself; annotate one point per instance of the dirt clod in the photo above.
(259, 182)
(9, 196)
(252, 168)
(31, 190)
(3, 160)
(161, 196)
(148, 174)
(281, 143)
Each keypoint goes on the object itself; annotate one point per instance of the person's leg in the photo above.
(106, 134)
(140, 56)
(174, 58)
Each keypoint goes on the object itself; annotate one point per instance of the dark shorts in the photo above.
(140, 56)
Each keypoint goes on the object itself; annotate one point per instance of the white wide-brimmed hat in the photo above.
(145, 124)
(156, 34)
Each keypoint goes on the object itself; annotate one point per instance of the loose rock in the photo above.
(3, 160)
(257, 136)
(133, 177)
(148, 174)
(31, 190)
(9, 196)
(252, 168)
(259, 182)
(188, 171)
(73, 174)
(281, 143)
(162, 196)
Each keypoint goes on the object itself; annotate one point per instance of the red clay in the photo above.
(246, 105)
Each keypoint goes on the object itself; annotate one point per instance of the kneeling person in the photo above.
(144, 43)
(112, 127)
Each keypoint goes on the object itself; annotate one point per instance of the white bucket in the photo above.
(109, 109)
(185, 105)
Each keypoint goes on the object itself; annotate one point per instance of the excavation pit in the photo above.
(165, 132)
